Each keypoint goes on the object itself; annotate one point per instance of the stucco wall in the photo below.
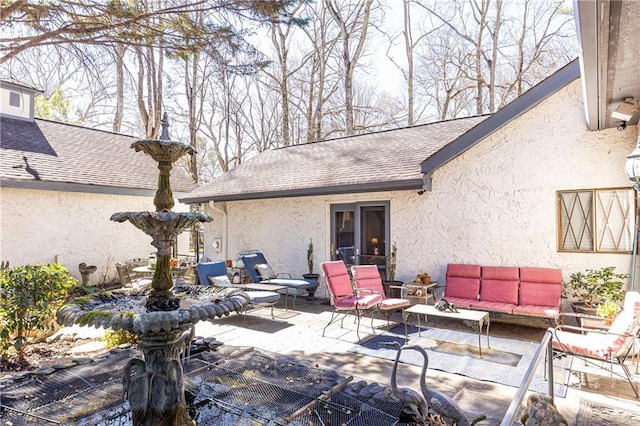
(493, 205)
(73, 227)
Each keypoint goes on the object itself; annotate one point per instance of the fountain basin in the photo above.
(125, 310)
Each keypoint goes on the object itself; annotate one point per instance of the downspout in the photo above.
(223, 211)
(634, 257)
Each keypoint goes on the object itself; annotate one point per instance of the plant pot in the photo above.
(312, 291)
(581, 308)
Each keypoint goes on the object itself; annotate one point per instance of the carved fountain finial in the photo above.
(164, 135)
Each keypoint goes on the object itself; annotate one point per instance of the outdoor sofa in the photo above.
(525, 291)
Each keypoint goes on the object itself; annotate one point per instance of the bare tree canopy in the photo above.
(238, 77)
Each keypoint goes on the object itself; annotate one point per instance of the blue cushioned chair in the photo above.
(215, 273)
(260, 272)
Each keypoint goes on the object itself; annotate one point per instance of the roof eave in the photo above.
(504, 116)
(77, 187)
(398, 185)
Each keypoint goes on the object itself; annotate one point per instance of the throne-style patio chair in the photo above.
(611, 346)
(343, 298)
(215, 273)
(259, 271)
(368, 281)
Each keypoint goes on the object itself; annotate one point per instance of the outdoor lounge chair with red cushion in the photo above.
(368, 281)
(343, 298)
(612, 346)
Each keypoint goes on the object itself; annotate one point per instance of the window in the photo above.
(596, 220)
(14, 99)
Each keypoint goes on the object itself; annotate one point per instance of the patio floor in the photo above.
(298, 333)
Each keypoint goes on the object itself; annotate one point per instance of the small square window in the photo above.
(14, 99)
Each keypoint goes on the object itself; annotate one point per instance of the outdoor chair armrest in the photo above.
(284, 274)
(558, 317)
(367, 291)
(573, 328)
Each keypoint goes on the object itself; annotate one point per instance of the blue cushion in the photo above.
(210, 269)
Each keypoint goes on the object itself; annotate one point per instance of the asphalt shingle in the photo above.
(363, 160)
(62, 153)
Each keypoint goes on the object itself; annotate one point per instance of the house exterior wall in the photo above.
(493, 205)
(73, 227)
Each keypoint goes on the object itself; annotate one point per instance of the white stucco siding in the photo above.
(493, 205)
(72, 227)
(496, 203)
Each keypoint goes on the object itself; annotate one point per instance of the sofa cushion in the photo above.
(499, 291)
(506, 308)
(463, 281)
(459, 302)
(536, 311)
(463, 288)
(499, 284)
(463, 270)
(507, 273)
(540, 287)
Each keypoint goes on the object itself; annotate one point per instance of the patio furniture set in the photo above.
(477, 292)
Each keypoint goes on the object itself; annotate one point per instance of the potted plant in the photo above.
(593, 287)
(391, 273)
(311, 275)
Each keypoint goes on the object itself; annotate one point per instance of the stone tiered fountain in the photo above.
(154, 386)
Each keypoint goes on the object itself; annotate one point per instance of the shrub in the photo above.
(596, 286)
(115, 338)
(29, 297)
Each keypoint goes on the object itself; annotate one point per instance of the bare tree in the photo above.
(493, 32)
(352, 26)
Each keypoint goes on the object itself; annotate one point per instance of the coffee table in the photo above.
(479, 317)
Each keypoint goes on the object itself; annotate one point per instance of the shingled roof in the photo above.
(382, 161)
(43, 154)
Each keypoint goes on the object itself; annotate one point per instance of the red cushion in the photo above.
(368, 276)
(338, 279)
(506, 308)
(502, 291)
(463, 288)
(540, 294)
(541, 275)
(540, 287)
(463, 270)
(460, 303)
(536, 311)
(501, 272)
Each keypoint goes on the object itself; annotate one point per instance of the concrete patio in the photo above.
(298, 333)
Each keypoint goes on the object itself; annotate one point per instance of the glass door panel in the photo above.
(360, 233)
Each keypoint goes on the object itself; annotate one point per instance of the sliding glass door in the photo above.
(360, 233)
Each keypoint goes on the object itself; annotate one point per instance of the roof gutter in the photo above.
(76, 187)
(400, 185)
(502, 117)
(589, 17)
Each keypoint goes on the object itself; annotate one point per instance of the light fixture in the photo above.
(374, 241)
(632, 166)
(622, 126)
(625, 111)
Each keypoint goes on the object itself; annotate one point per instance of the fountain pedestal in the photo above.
(155, 390)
